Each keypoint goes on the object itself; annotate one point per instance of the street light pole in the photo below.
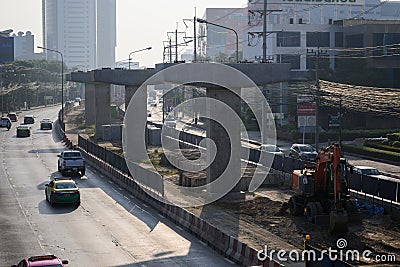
(217, 25)
(62, 82)
(129, 58)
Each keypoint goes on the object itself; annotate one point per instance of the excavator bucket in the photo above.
(339, 221)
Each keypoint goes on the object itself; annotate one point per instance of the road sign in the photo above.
(334, 121)
(306, 109)
(305, 121)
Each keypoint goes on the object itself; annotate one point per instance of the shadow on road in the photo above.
(45, 207)
(47, 150)
(42, 132)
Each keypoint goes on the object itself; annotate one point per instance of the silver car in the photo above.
(4, 121)
(303, 152)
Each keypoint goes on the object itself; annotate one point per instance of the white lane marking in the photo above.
(180, 228)
(17, 194)
(40, 237)
(120, 189)
(160, 215)
(145, 205)
(228, 260)
(201, 242)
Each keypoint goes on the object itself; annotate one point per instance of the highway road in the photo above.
(109, 228)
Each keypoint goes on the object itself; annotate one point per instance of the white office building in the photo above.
(84, 31)
(296, 30)
(24, 44)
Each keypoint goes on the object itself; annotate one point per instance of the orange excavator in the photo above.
(322, 193)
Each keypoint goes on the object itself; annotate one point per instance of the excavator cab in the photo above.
(322, 192)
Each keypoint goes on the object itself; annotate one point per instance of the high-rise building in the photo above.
(84, 31)
(23, 45)
(6, 46)
(106, 33)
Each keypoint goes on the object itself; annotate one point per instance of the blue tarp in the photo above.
(371, 209)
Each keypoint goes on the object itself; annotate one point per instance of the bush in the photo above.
(349, 135)
(293, 134)
(372, 152)
(393, 137)
(396, 144)
(381, 146)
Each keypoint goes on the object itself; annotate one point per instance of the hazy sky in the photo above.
(139, 23)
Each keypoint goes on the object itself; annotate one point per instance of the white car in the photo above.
(170, 122)
(364, 170)
(271, 149)
(370, 171)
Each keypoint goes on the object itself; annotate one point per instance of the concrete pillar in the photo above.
(130, 90)
(102, 106)
(224, 143)
(90, 114)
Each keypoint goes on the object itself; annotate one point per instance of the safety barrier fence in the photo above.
(385, 189)
(227, 245)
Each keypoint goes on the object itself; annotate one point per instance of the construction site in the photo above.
(267, 219)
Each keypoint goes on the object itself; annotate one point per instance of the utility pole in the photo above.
(340, 122)
(195, 38)
(317, 54)
(176, 44)
(264, 59)
(170, 50)
(263, 13)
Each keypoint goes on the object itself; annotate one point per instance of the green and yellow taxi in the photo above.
(46, 124)
(23, 131)
(62, 190)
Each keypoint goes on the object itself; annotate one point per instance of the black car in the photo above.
(46, 124)
(29, 119)
(13, 117)
(23, 131)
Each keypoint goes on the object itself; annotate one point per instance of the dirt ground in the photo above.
(259, 220)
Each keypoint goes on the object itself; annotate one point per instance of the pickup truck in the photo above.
(71, 161)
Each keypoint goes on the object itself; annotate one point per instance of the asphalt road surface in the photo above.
(109, 228)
